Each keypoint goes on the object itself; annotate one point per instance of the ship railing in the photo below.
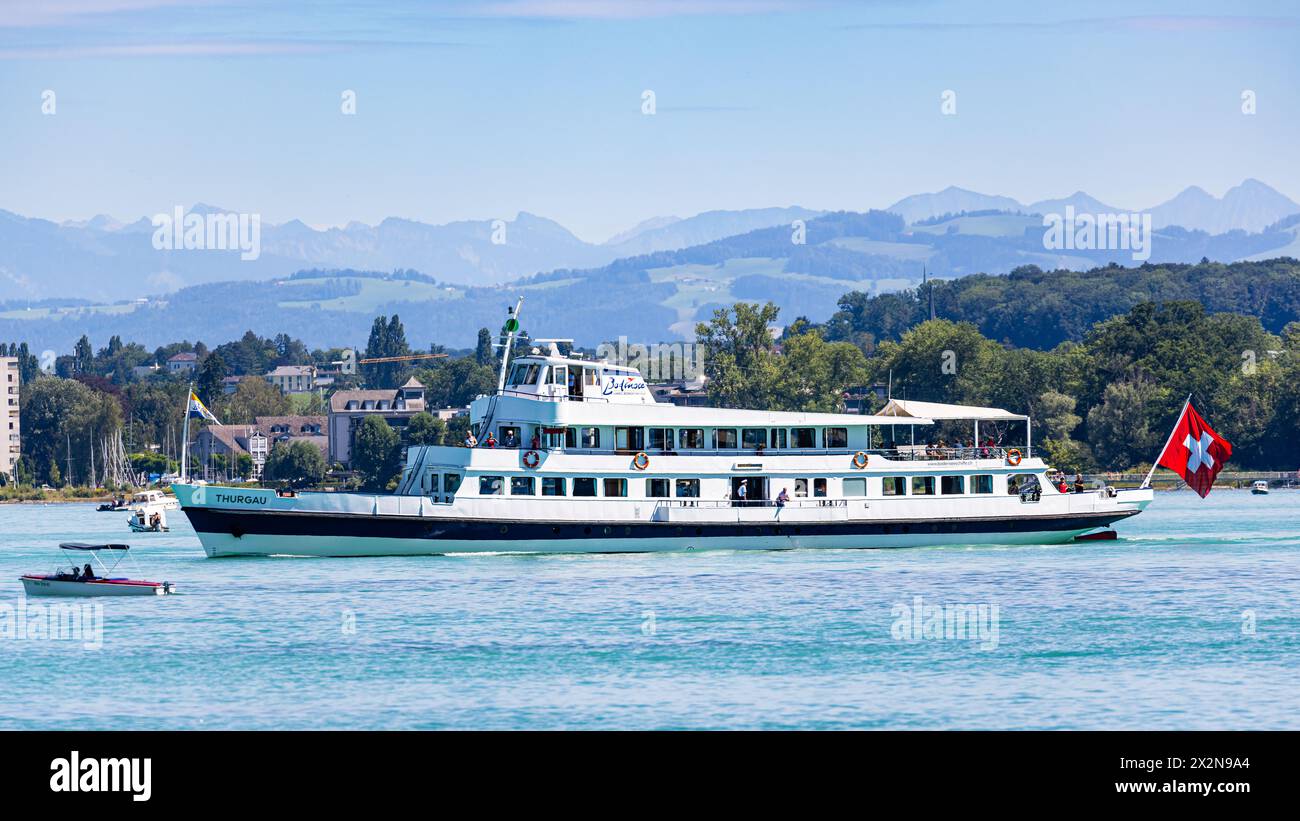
(541, 397)
(905, 453)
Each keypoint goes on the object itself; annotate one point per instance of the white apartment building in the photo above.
(9, 430)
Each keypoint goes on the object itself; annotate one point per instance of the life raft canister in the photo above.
(641, 461)
(532, 459)
(1013, 457)
(860, 459)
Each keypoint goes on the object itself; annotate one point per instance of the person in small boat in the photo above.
(87, 575)
(155, 521)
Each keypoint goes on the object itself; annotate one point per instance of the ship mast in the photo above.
(512, 327)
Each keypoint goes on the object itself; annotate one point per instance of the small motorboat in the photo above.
(69, 579)
(1259, 487)
(144, 520)
(118, 505)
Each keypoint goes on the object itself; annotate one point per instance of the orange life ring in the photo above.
(1013, 457)
(532, 459)
(641, 461)
(860, 459)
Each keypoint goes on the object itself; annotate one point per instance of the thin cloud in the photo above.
(1151, 23)
(635, 9)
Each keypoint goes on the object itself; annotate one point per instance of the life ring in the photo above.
(641, 461)
(1013, 457)
(860, 459)
(532, 459)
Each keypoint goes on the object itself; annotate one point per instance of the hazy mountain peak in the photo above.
(640, 228)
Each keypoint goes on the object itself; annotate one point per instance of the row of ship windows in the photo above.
(640, 438)
(662, 488)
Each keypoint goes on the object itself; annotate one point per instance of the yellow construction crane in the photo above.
(349, 361)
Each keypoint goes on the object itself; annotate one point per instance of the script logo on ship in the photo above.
(622, 384)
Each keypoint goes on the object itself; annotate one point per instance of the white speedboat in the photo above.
(146, 520)
(1259, 487)
(71, 579)
(607, 468)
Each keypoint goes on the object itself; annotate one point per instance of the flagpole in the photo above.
(1147, 481)
(185, 437)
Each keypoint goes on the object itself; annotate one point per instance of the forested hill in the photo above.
(1031, 308)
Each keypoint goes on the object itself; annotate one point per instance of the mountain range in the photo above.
(104, 259)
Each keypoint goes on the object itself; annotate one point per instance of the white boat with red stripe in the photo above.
(71, 579)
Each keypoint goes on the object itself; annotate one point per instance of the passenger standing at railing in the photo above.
(490, 441)
(470, 441)
(782, 498)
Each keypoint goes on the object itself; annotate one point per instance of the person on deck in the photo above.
(470, 441)
(1078, 482)
(490, 441)
(782, 498)
(510, 441)
(742, 492)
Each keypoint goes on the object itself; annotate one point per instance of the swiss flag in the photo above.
(1195, 451)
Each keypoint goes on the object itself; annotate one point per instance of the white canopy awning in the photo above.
(941, 412)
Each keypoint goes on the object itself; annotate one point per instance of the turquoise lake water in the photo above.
(1191, 620)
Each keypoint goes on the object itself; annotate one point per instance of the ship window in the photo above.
(490, 485)
(591, 438)
(724, 438)
(952, 485)
(835, 438)
(553, 486)
(517, 374)
(570, 438)
(558, 375)
(688, 488)
(855, 487)
(692, 437)
(656, 488)
(1025, 485)
(629, 438)
(590, 376)
(819, 488)
(804, 437)
(615, 487)
(983, 483)
(752, 438)
(661, 439)
(509, 436)
(922, 485)
(893, 485)
(522, 486)
(450, 482)
(779, 438)
(800, 487)
(584, 486)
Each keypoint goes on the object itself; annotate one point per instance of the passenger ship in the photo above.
(585, 460)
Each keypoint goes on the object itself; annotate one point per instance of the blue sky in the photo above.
(481, 110)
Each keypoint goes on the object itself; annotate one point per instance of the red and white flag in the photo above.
(1194, 451)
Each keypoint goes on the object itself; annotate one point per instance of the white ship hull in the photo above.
(237, 522)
